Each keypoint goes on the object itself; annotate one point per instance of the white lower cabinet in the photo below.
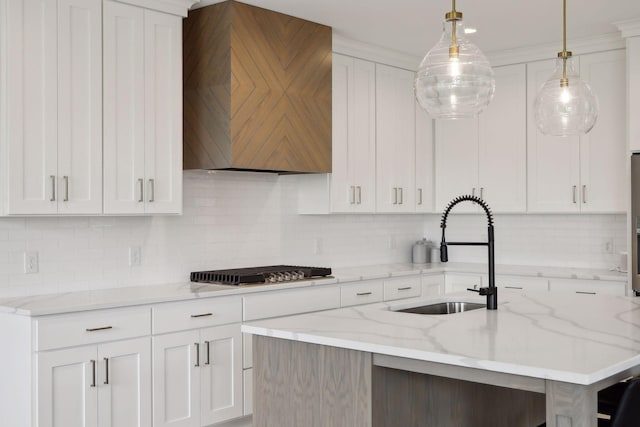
(521, 283)
(402, 288)
(101, 385)
(433, 285)
(197, 377)
(247, 391)
(589, 287)
(461, 282)
(360, 293)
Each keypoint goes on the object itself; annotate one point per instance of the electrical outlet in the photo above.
(608, 246)
(317, 246)
(392, 242)
(30, 262)
(135, 256)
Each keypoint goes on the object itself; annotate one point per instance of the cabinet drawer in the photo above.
(405, 287)
(179, 316)
(460, 282)
(361, 293)
(595, 287)
(284, 303)
(90, 327)
(520, 283)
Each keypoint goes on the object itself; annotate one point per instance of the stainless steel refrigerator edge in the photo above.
(635, 223)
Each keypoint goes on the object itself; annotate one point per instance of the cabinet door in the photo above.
(80, 106)
(395, 140)
(124, 383)
(503, 143)
(123, 44)
(31, 106)
(456, 145)
(424, 161)
(163, 112)
(67, 388)
(553, 163)
(354, 127)
(603, 156)
(221, 357)
(176, 380)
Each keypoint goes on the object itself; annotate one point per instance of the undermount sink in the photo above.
(449, 307)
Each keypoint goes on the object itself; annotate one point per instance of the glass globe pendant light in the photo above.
(455, 79)
(565, 104)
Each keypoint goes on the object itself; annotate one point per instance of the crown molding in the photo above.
(173, 7)
(629, 28)
(374, 53)
(581, 46)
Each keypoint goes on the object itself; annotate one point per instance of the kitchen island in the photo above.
(539, 357)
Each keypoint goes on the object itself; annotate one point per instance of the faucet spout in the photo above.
(490, 291)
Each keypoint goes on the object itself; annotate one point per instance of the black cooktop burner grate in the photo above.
(268, 274)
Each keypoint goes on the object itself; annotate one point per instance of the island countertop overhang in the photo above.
(579, 339)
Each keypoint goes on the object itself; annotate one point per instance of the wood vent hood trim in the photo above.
(257, 91)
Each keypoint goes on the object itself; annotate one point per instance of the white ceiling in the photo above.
(414, 26)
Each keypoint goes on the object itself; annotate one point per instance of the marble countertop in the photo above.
(579, 339)
(40, 305)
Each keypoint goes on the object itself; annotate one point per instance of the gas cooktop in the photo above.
(262, 275)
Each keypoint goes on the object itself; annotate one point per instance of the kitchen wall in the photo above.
(235, 219)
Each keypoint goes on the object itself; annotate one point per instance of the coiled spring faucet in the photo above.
(491, 291)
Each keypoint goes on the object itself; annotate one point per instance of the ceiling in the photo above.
(414, 26)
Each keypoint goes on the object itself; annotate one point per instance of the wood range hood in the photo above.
(257, 91)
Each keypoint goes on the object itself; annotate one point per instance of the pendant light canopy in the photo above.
(565, 104)
(455, 79)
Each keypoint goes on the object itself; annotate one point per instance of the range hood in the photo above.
(257, 91)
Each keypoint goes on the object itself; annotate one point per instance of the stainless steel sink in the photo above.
(449, 307)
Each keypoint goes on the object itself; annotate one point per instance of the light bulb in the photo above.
(454, 66)
(565, 95)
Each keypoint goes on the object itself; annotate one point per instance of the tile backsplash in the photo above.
(236, 219)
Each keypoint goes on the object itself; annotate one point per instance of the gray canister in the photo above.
(421, 252)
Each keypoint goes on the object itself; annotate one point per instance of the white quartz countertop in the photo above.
(40, 305)
(579, 339)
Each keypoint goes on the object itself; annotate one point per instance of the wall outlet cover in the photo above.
(135, 256)
(31, 262)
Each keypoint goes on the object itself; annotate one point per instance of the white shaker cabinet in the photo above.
(424, 163)
(603, 178)
(581, 173)
(143, 110)
(395, 139)
(52, 124)
(197, 377)
(353, 177)
(107, 385)
(485, 156)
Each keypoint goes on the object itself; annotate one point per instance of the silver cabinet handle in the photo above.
(152, 185)
(106, 371)
(66, 188)
(202, 315)
(362, 294)
(395, 195)
(93, 373)
(419, 196)
(141, 184)
(406, 288)
(473, 191)
(585, 293)
(197, 344)
(401, 196)
(359, 194)
(103, 328)
(352, 195)
(574, 193)
(584, 194)
(53, 188)
(208, 343)
(513, 287)
(482, 192)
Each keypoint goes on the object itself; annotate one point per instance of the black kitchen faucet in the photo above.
(491, 291)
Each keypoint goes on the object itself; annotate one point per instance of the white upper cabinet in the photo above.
(486, 156)
(456, 145)
(53, 93)
(502, 151)
(581, 173)
(353, 175)
(143, 111)
(424, 161)
(553, 162)
(395, 140)
(603, 178)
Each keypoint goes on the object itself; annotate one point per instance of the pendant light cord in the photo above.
(454, 23)
(564, 82)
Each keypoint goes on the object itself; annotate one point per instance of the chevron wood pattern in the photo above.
(257, 90)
